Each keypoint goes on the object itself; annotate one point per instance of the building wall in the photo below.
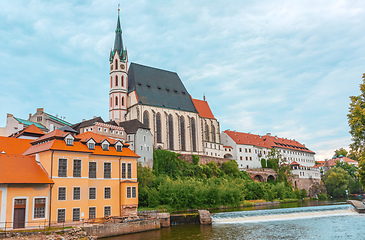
(12, 125)
(143, 143)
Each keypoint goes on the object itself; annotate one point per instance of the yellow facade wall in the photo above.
(28, 192)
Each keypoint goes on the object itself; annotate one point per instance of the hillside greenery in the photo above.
(178, 185)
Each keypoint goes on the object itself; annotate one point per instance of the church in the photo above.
(159, 99)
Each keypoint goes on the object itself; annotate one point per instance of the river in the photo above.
(307, 220)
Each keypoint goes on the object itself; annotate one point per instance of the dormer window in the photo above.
(69, 142)
(105, 146)
(91, 145)
(119, 148)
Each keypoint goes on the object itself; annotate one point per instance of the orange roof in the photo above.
(14, 145)
(32, 129)
(21, 169)
(227, 147)
(203, 108)
(246, 138)
(78, 146)
(285, 143)
(55, 133)
(332, 162)
(294, 163)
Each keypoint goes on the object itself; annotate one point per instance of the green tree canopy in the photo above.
(340, 152)
(337, 181)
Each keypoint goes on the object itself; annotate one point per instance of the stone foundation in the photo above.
(312, 186)
(129, 210)
(204, 159)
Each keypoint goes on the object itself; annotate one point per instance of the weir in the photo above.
(283, 214)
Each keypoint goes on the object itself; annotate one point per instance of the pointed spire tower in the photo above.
(118, 77)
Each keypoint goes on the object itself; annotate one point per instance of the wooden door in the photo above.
(19, 213)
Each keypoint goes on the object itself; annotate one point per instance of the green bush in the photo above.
(263, 163)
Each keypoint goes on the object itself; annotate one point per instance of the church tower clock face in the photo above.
(122, 66)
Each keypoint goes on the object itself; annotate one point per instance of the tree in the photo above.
(274, 159)
(350, 168)
(361, 171)
(356, 119)
(337, 181)
(340, 152)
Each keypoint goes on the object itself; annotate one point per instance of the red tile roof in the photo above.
(14, 145)
(32, 129)
(294, 163)
(266, 141)
(203, 108)
(21, 169)
(332, 162)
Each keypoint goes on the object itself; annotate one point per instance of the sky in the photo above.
(282, 67)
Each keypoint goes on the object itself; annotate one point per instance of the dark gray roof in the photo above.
(67, 129)
(86, 123)
(132, 126)
(159, 88)
(112, 123)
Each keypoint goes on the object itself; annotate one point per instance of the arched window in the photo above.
(111, 82)
(182, 132)
(213, 133)
(122, 81)
(116, 81)
(116, 64)
(158, 128)
(193, 137)
(122, 101)
(146, 119)
(206, 132)
(116, 101)
(171, 133)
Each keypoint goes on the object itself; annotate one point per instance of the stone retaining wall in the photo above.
(114, 229)
(203, 159)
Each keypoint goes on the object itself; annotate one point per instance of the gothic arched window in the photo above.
(171, 133)
(122, 101)
(182, 133)
(158, 128)
(111, 102)
(122, 81)
(146, 119)
(111, 82)
(206, 132)
(116, 101)
(116, 81)
(213, 133)
(116, 64)
(193, 137)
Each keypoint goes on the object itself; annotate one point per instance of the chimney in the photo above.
(40, 109)
(94, 117)
(9, 115)
(84, 120)
(30, 115)
(268, 134)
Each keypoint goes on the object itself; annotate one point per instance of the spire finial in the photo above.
(118, 7)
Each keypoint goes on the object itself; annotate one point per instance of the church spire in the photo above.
(118, 42)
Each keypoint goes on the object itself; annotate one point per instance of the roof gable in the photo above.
(28, 123)
(159, 88)
(132, 126)
(203, 108)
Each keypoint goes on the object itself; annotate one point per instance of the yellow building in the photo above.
(94, 176)
(24, 191)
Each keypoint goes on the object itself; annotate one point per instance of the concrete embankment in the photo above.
(359, 206)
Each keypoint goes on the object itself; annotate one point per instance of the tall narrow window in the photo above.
(122, 101)
(61, 215)
(92, 212)
(92, 193)
(123, 170)
(111, 102)
(62, 167)
(122, 81)
(158, 128)
(76, 214)
(206, 132)
(92, 169)
(111, 82)
(129, 170)
(77, 193)
(182, 133)
(171, 132)
(116, 64)
(193, 134)
(77, 168)
(107, 211)
(107, 170)
(61, 193)
(116, 101)
(213, 133)
(116, 81)
(107, 193)
(146, 119)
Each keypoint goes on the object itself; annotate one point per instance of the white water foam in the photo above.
(284, 217)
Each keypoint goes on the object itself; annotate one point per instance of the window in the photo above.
(213, 133)
(69, 142)
(92, 212)
(92, 169)
(119, 148)
(107, 193)
(107, 211)
(141, 148)
(193, 135)
(240, 149)
(146, 119)
(182, 133)
(61, 215)
(61, 193)
(123, 170)
(131, 192)
(122, 82)
(92, 193)
(62, 167)
(107, 170)
(39, 118)
(116, 81)
(39, 207)
(111, 102)
(250, 158)
(77, 168)
(100, 129)
(76, 214)
(206, 132)
(116, 101)
(116, 64)
(249, 150)
(129, 170)
(77, 193)
(246, 150)
(111, 82)
(158, 128)
(122, 101)
(148, 149)
(91, 145)
(171, 132)
(240, 157)
(246, 158)
(105, 147)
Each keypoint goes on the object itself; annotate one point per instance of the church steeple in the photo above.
(118, 42)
